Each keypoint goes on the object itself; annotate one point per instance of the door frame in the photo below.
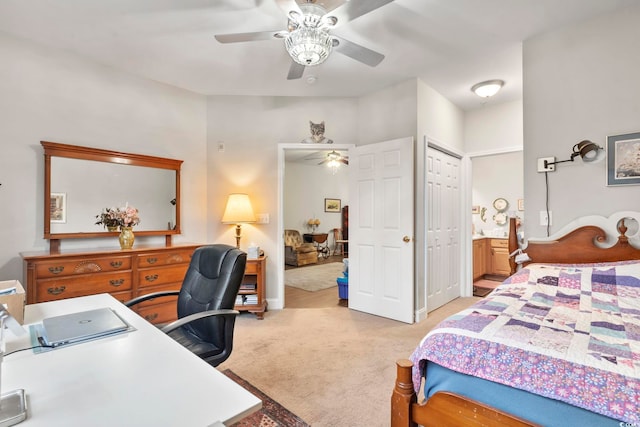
(467, 284)
(280, 302)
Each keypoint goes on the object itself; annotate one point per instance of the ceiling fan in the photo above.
(307, 38)
(334, 156)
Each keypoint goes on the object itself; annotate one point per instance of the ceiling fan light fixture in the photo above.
(308, 46)
(488, 88)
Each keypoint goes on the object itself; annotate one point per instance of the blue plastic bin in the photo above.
(343, 287)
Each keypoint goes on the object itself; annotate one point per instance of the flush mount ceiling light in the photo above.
(488, 88)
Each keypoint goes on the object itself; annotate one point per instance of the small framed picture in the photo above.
(58, 208)
(623, 159)
(475, 209)
(520, 204)
(332, 205)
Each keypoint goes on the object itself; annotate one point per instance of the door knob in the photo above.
(406, 239)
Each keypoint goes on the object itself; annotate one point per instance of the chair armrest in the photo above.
(197, 316)
(146, 297)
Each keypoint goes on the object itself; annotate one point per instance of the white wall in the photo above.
(494, 128)
(305, 188)
(56, 96)
(439, 119)
(580, 82)
(388, 114)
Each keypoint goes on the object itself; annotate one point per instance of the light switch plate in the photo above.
(262, 218)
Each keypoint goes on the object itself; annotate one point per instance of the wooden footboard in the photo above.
(443, 409)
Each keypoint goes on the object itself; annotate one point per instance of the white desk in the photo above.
(139, 378)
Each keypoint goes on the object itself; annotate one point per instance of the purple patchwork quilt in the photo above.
(570, 333)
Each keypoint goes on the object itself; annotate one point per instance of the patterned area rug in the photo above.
(314, 278)
(272, 413)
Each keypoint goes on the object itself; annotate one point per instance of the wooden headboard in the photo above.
(584, 244)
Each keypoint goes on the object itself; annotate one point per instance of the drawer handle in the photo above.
(151, 317)
(57, 290)
(152, 260)
(151, 278)
(116, 264)
(56, 270)
(116, 282)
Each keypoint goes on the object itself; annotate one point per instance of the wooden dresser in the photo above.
(125, 274)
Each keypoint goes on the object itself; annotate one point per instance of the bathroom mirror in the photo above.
(80, 182)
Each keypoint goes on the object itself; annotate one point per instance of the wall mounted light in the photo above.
(586, 149)
(238, 211)
(487, 88)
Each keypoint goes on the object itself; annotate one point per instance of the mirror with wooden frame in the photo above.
(80, 182)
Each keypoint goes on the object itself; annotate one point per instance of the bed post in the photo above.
(513, 243)
(403, 395)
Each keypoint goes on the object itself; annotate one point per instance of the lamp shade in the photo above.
(587, 150)
(238, 209)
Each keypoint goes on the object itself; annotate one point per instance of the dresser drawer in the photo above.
(159, 313)
(252, 267)
(160, 259)
(167, 287)
(82, 266)
(159, 276)
(86, 284)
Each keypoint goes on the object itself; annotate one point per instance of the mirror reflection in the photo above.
(82, 189)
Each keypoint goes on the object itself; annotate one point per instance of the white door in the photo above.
(443, 232)
(381, 278)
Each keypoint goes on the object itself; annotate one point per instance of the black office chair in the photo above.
(205, 302)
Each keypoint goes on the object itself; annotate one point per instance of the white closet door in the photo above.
(443, 231)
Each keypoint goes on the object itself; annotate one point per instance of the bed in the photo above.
(557, 343)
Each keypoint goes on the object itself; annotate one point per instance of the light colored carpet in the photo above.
(315, 277)
(330, 366)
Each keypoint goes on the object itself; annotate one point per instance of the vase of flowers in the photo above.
(127, 218)
(124, 218)
(108, 218)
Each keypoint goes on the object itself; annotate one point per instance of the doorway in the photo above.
(497, 182)
(303, 198)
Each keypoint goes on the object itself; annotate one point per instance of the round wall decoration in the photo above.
(500, 204)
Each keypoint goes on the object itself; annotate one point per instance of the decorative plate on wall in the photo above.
(500, 218)
(500, 204)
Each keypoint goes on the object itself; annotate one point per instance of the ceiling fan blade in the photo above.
(345, 161)
(295, 71)
(247, 37)
(357, 52)
(356, 8)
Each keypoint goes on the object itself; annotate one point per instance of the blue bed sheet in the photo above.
(537, 409)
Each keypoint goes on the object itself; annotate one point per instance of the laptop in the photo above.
(82, 326)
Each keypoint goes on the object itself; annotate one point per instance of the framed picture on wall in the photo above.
(623, 159)
(58, 208)
(332, 205)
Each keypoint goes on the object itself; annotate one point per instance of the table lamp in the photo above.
(238, 211)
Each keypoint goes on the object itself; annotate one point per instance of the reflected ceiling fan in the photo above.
(307, 38)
